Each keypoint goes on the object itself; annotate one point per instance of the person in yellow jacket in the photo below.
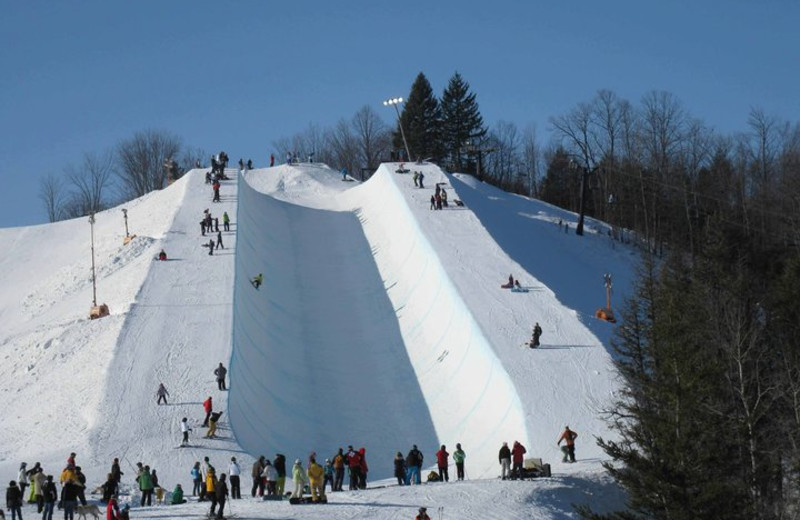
(316, 478)
(68, 475)
(299, 477)
(211, 489)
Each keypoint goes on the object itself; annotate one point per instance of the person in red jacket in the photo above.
(363, 469)
(112, 509)
(517, 454)
(208, 407)
(442, 459)
(354, 465)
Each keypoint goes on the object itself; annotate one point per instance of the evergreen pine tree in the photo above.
(461, 122)
(421, 119)
(672, 456)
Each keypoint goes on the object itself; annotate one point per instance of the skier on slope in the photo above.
(212, 425)
(537, 333)
(185, 431)
(162, 393)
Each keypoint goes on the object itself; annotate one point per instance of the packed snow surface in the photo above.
(380, 323)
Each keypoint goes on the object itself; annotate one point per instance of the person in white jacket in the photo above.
(185, 431)
(233, 472)
(270, 476)
(22, 480)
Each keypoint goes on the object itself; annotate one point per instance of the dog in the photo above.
(159, 495)
(89, 509)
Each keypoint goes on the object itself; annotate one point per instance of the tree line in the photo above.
(131, 169)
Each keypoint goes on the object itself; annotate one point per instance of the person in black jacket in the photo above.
(414, 461)
(400, 468)
(50, 495)
(14, 500)
(505, 461)
(221, 372)
(81, 485)
(116, 472)
(279, 462)
(109, 488)
(221, 490)
(69, 499)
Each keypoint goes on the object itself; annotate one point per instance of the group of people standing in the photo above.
(210, 225)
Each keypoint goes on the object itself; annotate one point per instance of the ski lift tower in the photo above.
(97, 311)
(606, 314)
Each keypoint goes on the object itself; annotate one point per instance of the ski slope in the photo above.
(380, 324)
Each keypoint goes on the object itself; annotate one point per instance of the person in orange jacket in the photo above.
(569, 437)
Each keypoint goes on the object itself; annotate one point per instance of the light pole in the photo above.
(394, 102)
(125, 213)
(94, 285)
(586, 171)
(101, 310)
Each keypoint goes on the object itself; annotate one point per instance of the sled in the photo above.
(519, 289)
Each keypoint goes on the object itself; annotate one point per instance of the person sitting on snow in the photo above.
(162, 255)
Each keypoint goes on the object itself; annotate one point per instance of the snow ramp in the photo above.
(357, 336)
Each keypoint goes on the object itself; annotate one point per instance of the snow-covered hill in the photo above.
(380, 324)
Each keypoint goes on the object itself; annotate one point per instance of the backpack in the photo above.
(433, 477)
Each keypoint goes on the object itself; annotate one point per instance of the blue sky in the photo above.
(80, 76)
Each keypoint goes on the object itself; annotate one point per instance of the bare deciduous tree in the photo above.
(89, 184)
(140, 161)
(373, 135)
(52, 193)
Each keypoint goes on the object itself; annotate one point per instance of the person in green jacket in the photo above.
(258, 280)
(226, 221)
(177, 495)
(146, 486)
(458, 457)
